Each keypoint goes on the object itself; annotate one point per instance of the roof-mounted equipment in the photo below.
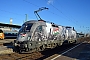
(40, 9)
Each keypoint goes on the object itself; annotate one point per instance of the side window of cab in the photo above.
(39, 29)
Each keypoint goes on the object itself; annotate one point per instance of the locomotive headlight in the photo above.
(30, 44)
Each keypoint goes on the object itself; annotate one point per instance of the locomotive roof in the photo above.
(68, 27)
(31, 21)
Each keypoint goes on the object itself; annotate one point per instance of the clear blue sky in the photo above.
(75, 13)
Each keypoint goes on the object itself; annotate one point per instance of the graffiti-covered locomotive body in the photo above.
(39, 35)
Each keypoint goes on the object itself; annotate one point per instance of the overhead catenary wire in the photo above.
(62, 13)
(31, 3)
(39, 7)
(66, 17)
(52, 12)
(14, 13)
(9, 12)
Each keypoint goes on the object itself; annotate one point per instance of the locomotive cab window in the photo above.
(26, 27)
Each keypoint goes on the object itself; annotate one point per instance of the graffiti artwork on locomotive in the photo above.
(38, 35)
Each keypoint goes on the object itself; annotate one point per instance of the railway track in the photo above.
(37, 55)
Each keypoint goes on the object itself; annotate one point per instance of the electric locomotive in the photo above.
(37, 35)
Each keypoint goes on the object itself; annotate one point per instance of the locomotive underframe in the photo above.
(39, 45)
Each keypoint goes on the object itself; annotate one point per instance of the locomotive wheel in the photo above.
(38, 49)
(27, 49)
(53, 45)
(20, 51)
(16, 49)
(41, 48)
(75, 42)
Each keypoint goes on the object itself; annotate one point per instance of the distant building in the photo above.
(5, 28)
(9, 27)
